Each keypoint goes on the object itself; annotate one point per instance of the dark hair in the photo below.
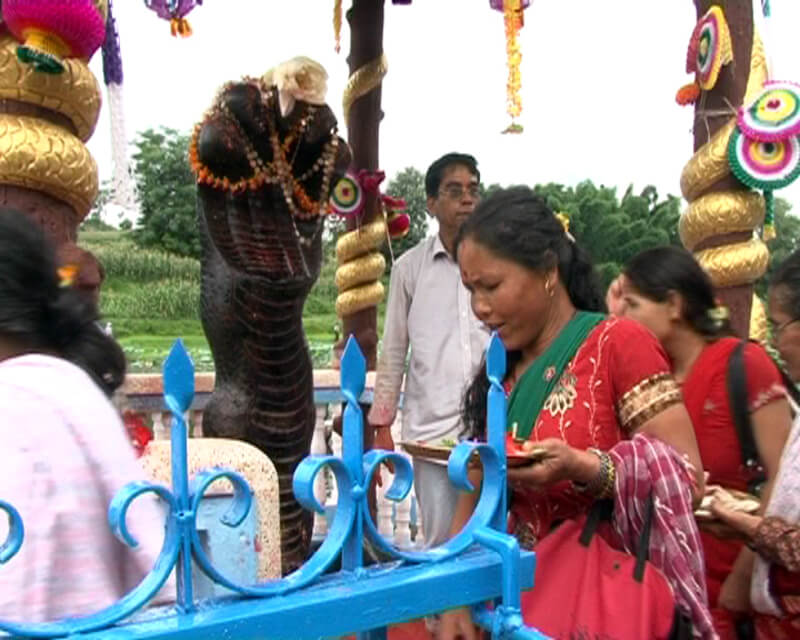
(787, 277)
(40, 315)
(655, 273)
(519, 226)
(435, 173)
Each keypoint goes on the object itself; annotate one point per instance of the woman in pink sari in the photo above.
(65, 451)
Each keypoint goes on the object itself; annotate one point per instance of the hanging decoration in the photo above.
(514, 21)
(774, 115)
(764, 150)
(710, 48)
(175, 11)
(337, 24)
(347, 200)
(52, 30)
(398, 222)
(123, 194)
(347, 197)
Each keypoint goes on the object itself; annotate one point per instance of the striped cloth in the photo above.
(646, 466)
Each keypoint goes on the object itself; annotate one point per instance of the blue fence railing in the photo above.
(480, 564)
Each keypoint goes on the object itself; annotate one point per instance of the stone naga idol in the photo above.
(266, 156)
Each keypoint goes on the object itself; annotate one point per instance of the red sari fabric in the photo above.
(705, 394)
(619, 378)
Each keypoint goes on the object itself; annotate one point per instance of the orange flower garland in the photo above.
(513, 18)
(277, 172)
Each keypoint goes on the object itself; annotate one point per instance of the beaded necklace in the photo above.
(280, 170)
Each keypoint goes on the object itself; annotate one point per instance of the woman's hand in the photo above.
(724, 507)
(456, 624)
(560, 462)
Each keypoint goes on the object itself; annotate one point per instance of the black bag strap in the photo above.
(643, 549)
(737, 397)
(601, 511)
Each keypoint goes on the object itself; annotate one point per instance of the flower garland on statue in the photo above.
(299, 79)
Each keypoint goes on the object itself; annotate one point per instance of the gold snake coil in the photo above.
(361, 265)
(75, 94)
(724, 212)
(41, 156)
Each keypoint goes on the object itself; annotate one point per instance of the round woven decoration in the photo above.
(774, 115)
(764, 165)
(710, 48)
(347, 197)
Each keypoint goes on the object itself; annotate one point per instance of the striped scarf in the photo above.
(646, 466)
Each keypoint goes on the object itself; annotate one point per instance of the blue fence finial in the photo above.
(179, 378)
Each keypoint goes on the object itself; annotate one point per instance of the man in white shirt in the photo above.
(428, 311)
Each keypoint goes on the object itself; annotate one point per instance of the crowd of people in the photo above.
(593, 380)
(627, 397)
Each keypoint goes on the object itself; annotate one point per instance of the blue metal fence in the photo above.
(480, 564)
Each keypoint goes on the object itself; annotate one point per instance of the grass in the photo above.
(151, 298)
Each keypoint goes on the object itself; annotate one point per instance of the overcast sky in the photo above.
(598, 80)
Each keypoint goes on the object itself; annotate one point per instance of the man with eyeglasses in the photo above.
(428, 311)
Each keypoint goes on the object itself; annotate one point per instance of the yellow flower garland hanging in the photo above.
(514, 21)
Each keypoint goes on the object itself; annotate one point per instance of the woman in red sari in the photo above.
(668, 292)
(580, 383)
(775, 535)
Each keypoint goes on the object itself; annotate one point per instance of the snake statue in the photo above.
(264, 181)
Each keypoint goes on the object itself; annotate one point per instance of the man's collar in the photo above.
(438, 247)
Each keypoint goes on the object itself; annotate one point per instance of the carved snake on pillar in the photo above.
(263, 186)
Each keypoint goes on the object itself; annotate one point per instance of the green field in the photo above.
(150, 298)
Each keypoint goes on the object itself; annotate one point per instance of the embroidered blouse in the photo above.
(619, 379)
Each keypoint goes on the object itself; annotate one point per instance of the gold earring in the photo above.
(548, 287)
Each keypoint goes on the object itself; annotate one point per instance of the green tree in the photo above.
(167, 193)
(786, 242)
(409, 184)
(614, 230)
(94, 221)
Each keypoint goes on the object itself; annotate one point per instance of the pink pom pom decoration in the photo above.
(51, 30)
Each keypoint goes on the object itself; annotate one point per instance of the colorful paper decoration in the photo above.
(347, 197)
(713, 47)
(764, 165)
(52, 30)
(398, 222)
(774, 114)
(710, 48)
(175, 11)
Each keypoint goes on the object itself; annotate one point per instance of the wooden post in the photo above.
(363, 123)
(710, 117)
